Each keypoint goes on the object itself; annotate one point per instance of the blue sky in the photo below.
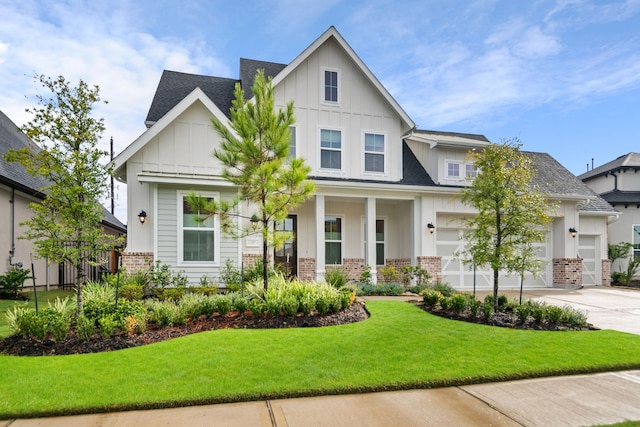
(561, 75)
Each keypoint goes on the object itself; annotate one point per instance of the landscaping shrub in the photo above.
(12, 281)
(336, 277)
(444, 288)
(164, 313)
(98, 291)
(85, 328)
(239, 302)
(223, 304)
(389, 274)
(131, 292)
(108, 325)
(458, 302)
(431, 297)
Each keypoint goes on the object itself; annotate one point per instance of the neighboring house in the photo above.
(384, 189)
(17, 189)
(618, 182)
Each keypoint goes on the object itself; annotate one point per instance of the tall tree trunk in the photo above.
(265, 259)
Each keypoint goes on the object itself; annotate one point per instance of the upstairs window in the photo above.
(453, 170)
(330, 149)
(330, 86)
(471, 171)
(373, 152)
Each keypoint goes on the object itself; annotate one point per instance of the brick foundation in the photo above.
(136, 261)
(398, 263)
(433, 265)
(567, 271)
(249, 260)
(352, 266)
(306, 269)
(606, 272)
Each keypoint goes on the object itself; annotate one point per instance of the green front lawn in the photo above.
(400, 346)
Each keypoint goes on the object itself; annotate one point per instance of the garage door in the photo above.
(587, 251)
(450, 246)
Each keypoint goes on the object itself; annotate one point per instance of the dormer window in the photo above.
(453, 170)
(330, 86)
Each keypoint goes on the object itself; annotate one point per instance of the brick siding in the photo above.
(567, 271)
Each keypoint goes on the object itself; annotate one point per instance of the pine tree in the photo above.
(254, 151)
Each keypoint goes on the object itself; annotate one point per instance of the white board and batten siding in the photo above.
(167, 240)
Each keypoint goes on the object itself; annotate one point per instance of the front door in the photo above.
(286, 258)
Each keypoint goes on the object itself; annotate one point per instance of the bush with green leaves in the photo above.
(98, 291)
(55, 319)
(131, 292)
(389, 274)
(85, 328)
(336, 277)
(164, 313)
(431, 297)
(13, 280)
(95, 310)
(231, 276)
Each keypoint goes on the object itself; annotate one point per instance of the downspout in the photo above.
(12, 226)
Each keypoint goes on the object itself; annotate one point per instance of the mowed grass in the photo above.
(43, 298)
(399, 346)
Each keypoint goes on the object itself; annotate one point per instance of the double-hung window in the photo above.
(636, 241)
(332, 240)
(330, 149)
(330, 86)
(373, 152)
(197, 234)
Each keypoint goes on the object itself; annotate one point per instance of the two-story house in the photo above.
(384, 188)
(618, 183)
(17, 190)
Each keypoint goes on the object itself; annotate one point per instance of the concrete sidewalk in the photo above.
(583, 400)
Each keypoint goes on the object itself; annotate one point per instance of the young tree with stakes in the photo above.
(513, 213)
(66, 225)
(254, 151)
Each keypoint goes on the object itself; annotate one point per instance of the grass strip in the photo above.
(399, 347)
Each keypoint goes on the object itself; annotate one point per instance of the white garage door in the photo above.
(450, 246)
(587, 251)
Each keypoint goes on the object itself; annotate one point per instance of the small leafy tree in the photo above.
(254, 152)
(512, 212)
(65, 226)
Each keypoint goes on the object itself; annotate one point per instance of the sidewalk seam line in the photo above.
(271, 414)
(495, 408)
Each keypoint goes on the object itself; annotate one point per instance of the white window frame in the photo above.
(365, 152)
(323, 86)
(341, 241)
(447, 163)
(341, 150)
(180, 232)
(470, 174)
(635, 251)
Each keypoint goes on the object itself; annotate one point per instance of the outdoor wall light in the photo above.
(573, 232)
(431, 228)
(142, 217)
(254, 221)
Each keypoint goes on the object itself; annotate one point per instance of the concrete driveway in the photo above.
(606, 307)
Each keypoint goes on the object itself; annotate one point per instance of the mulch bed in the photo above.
(503, 319)
(16, 345)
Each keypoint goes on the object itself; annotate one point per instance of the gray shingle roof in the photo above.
(174, 87)
(11, 137)
(14, 175)
(618, 197)
(476, 137)
(553, 178)
(627, 161)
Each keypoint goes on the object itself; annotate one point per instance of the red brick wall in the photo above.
(433, 264)
(306, 269)
(567, 271)
(136, 261)
(606, 272)
(352, 266)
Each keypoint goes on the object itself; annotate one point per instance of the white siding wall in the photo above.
(360, 108)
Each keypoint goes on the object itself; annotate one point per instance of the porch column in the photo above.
(417, 232)
(370, 221)
(319, 205)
